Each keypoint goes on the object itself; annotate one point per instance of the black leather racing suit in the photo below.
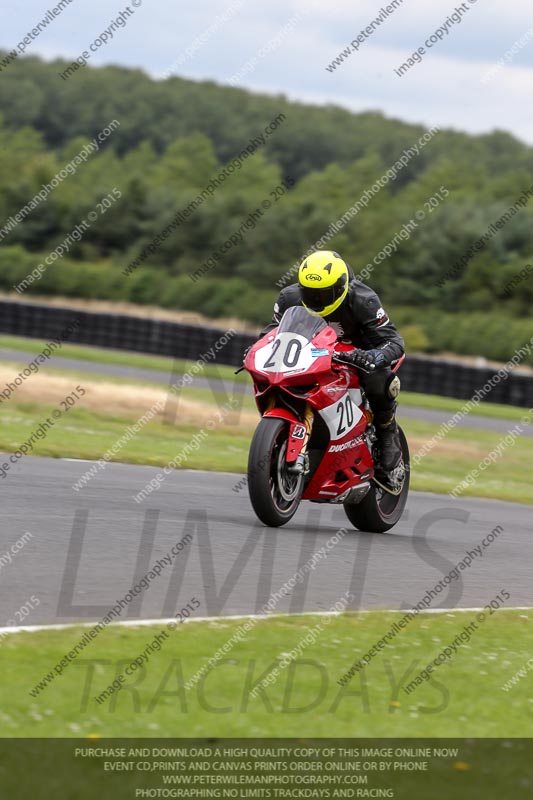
(362, 321)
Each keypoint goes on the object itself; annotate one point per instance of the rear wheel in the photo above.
(274, 492)
(379, 511)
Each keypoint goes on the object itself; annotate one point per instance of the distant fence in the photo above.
(161, 337)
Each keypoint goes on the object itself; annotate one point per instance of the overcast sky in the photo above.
(450, 87)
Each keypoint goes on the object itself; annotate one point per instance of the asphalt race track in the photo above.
(88, 546)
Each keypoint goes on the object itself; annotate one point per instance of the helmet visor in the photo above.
(318, 299)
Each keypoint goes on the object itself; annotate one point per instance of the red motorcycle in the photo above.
(316, 440)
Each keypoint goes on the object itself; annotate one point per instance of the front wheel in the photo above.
(379, 511)
(274, 493)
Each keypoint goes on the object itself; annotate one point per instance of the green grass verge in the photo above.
(451, 406)
(88, 434)
(162, 364)
(123, 358)
(463, 698)
(441, 470)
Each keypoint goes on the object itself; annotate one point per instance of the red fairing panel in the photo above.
(347, 460)
(295, 361)
(297, 432)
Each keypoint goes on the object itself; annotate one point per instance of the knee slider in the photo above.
(393, 387)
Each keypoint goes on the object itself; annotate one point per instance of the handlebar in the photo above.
(339, 359)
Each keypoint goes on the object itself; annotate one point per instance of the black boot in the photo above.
(388, 442)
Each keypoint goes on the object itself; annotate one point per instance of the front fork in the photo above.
(297, 459)
(298, 440)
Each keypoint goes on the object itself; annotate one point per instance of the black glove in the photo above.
(355, 359)
(366, 360)
(376, 357)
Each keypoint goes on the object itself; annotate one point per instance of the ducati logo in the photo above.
(339, 448)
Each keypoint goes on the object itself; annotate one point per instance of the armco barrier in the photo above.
(161, 337)
(118, 331)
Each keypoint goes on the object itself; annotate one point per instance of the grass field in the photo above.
(464, 696)
(124, 358)
(103, 415)
(112, 404)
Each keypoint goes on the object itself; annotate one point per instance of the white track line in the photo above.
(138, 623)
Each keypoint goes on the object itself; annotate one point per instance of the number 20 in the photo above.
(294, 345)
(345, 407)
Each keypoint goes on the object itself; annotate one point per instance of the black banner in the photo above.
(406, 769)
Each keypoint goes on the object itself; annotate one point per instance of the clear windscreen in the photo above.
(292, 349)
(300, 321)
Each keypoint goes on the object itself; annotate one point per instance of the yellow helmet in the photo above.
(323, 279)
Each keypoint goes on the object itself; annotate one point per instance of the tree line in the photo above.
(235, 188)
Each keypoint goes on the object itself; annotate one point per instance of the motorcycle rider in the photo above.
(327, 286)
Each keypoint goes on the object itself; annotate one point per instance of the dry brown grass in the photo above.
(132, 401)
(449, 447)
(114, 399)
